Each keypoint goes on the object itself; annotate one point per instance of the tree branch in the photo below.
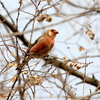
(12, 27)
(92, 81)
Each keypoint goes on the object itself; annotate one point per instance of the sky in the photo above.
(71, 36)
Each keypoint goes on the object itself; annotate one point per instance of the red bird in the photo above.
(43, 45)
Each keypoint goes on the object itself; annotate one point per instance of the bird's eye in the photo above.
(52, 30)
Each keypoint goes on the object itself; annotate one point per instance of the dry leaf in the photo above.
(13, 79)
(12, 54)
(80, 48)
(51, 96)
(88, 32)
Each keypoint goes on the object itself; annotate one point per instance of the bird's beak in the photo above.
(56, 32)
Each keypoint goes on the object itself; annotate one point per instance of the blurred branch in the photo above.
(62, 65)
(7, 12)
(12, 27)
(82, 57)
(77, 6)
(20, 34)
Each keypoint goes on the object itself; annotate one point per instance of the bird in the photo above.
(43, 44)
(40, 48)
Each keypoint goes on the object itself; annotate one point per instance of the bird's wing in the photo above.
(38, 40)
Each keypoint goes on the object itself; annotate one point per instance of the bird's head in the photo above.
(51, 33)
